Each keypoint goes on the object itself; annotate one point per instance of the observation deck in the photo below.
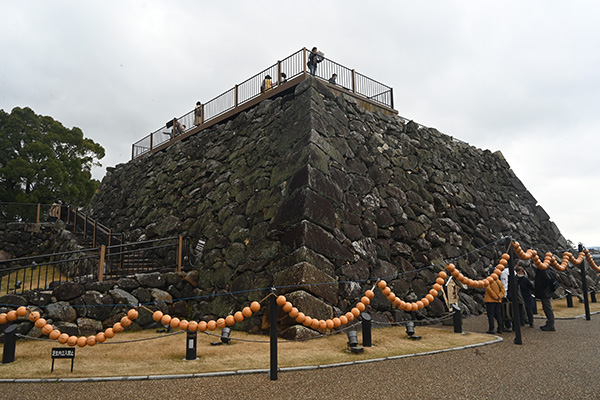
(369, 93)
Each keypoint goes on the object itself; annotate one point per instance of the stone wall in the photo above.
(312, 188)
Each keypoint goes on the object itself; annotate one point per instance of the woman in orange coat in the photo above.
(494, 293)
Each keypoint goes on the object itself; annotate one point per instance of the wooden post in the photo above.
(236, 95)
(353, 81)
(179, 252)
(278, 72)
(132, 151)
(151, 140)
(202, 113)
(101, 263)
(39, 209)
(94, 235)
(304, 59)
(75, 222)
(391, 97)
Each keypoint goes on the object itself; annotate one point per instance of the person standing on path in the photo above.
(507, 316)
(494, 293)
(543, 291)
(525, 289)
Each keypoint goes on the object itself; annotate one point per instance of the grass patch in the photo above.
(166, 355)
(38, 277)
(562, 311)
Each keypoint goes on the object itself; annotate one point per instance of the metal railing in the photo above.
(292, 66)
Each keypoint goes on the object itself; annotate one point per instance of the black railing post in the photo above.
(273, 341)
(366, 330)
(391, 97)
(10, 342)
(512, 284)
(586, 301)
(457, 319)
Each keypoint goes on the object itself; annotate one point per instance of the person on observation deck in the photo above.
(267, 84)
(198, 113)
(332, 79)
(314, 58)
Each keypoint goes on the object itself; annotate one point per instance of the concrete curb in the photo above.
(244, 372)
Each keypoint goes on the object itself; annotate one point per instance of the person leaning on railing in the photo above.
(267, 84)
(177, 129)
(198, 113)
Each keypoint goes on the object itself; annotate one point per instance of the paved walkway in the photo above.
(549, 365)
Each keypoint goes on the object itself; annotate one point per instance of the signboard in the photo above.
(452, 292)
(63, 352)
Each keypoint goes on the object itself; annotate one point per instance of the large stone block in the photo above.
(305, 276)
(68, 291)
(315, 238)
(306, 204)
(310, 305)
(61, 311)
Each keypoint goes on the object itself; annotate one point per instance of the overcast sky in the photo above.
(521, 77)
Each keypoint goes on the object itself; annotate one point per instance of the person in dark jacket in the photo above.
(525, 289)
(314, 58)
(543, 291)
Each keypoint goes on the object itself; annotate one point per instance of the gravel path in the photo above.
(549, 365)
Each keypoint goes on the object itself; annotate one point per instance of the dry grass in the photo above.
(562, 311)
(166, 355)
(38, 277)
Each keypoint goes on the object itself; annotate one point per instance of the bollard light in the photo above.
(225, 335)
(410, 331)
(569, 298)
(353, 343)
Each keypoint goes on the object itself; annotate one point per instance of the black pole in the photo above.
(10, 342)
(586, 301)
(366, 330)
(457, 318)
(273, 322)
(512, 284)
(190, 353)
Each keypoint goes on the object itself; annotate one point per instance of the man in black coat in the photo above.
(544, 282)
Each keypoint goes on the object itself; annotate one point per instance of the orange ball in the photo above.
(397, 302)
(221, 323)
(391, 297)
(316, 323)
(255, 306)
(307, 321)
(125, 322)
(211, 325)
(455, 273)
(117, 328)
(165, 320)
(386, 291)
(322, 324)
(430, 297)
(287, 307)
(132, 314)
(401, 305)
(247, 312)
(343, 320)
(503, 262)
(239, 317)
(414, 306)
(12, 316)
(382, 284)
(495, 276)
(229, 320)
(437, 287)
(408, 306)
(505, 256)
(281, 300)
(100, 338)
(336, 322)
(485, 282)
(439, 281)
(47, 329)
(300, 317)
(350, 316)
(72, 340)
(370, 294)
(183, 325)
(62, 338)
(194, 326)
(34, 316)
(425, 301)
(442, 275)
(433, 292)
(450, 267)
(3, 319)
(40, 323)
(355, 311)
(81, 341)
(329, 324)
(360, 306)
(91, 340)
(174, 322)
(22, 311)
(293, 312)
(459, 277)
(365, 300)
(420, 305)
(54, 334)
(157, 316)
(497, 272)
